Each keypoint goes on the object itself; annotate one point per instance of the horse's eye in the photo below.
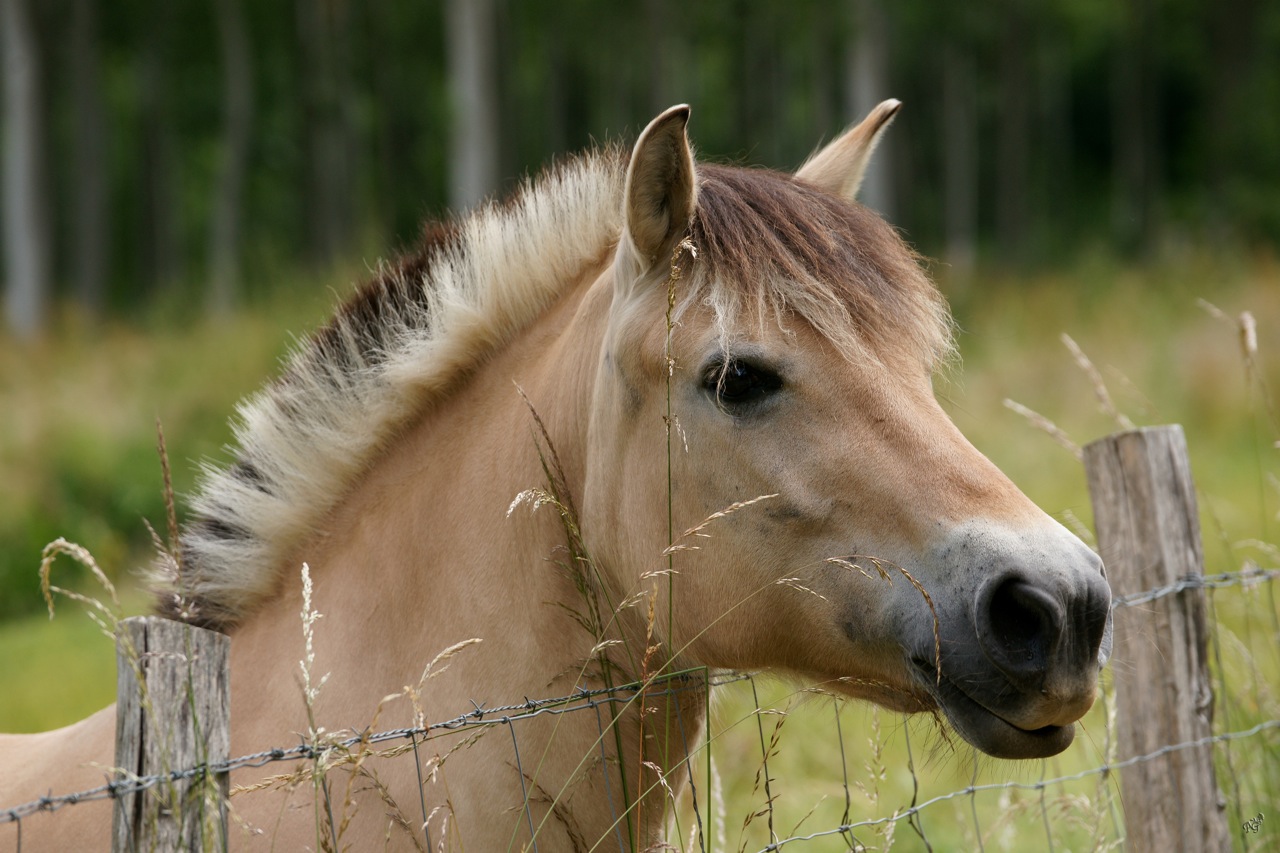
(735, 384)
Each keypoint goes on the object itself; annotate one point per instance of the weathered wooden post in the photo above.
(1144, 508)
(173, 712)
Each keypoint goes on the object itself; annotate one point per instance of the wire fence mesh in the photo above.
(781, 768)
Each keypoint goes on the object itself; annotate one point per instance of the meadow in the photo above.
(78, 452)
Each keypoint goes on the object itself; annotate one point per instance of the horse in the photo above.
(648, 416)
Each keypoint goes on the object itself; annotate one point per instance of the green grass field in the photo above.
(77, 450)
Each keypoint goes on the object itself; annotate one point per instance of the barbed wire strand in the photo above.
(529, 709)
(1247, 577)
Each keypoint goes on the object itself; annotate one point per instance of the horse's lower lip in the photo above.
(987, 730)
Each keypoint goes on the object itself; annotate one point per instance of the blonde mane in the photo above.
(407, 337)
(768, 246)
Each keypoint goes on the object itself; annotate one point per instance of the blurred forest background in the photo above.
(185, 182)
(169, 150)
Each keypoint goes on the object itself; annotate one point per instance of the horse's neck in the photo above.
(423, 554)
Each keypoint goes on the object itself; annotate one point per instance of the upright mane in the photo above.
(405, 338)
(768, 246)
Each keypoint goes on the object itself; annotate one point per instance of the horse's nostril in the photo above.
(1018, 614)
(1018, 628)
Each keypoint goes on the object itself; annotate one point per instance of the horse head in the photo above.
(787, 337)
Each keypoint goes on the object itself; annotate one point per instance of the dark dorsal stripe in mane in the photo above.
(384, 307)
(357, 339)
(769, 247)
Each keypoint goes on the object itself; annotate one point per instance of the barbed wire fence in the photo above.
(593, 701)
(847, 800)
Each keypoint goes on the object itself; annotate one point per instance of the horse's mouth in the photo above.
(984, 728)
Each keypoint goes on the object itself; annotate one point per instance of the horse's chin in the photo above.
(990, 732)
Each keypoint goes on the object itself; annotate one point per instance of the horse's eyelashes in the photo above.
(738, 383)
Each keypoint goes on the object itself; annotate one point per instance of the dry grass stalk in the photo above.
(169, 553)
(853, 562)
(698, 530)
(436, 666)
(103, 616)
(762, 777)
(1079, 528)
(1249, 338)
(170, 508)
(350, 750)
(1105, 402)
(796, 584)
(1042, 423)
(1247, 330)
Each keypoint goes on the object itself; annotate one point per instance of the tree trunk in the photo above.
(323, 32)
(1013, 142)
(668, 63)
(1055, 155)
(473, 159)
(1233, 27)
(26, 227)
(867, 69)
(161, 231)
(1135, 119)
(224, 243)
(959, 159)
(825, 81)
(91, 238)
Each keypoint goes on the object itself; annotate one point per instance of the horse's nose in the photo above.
(1037, 633)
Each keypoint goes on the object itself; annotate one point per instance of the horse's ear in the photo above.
(661, 192)
(839, 167)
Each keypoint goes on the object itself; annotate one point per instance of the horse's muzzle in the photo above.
(1023, 666)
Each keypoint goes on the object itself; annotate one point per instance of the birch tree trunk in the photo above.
(867, 70)
(959, 159)
(237, 76)
(26, 229)
(1013, 144)
(323, 32)
(90, 241)
(161, 225)
(473, 156)
(1135, 109)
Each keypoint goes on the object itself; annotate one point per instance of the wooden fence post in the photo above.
(1144, 508)
(173, 712)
